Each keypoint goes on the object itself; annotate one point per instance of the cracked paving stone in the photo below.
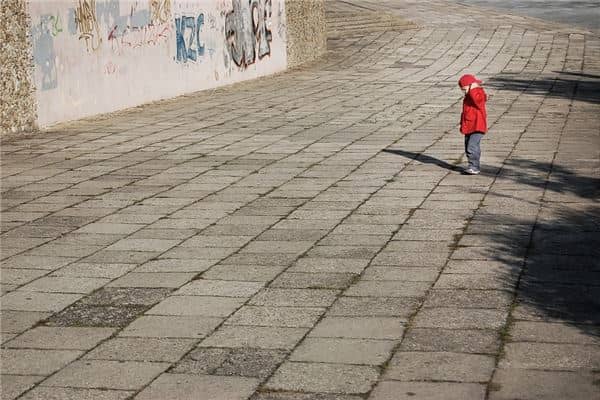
(19, 321)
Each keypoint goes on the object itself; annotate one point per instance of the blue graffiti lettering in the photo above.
(189, 46)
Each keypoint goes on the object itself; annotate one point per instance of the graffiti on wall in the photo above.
(44, 55)
(87, 24)
(160, 11)
(189, 46)
(134, 28)
(56, 25)
(116, 49)
(248, 31)
(120, 39)
(110, 68)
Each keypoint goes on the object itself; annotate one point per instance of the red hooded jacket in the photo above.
(474, 115)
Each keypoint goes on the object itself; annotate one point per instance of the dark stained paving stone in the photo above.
(255, 363)
(126, 296)
(105, 316)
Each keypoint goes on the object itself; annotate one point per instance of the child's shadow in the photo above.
(424, 159)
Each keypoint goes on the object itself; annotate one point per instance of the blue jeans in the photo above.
(473, 149)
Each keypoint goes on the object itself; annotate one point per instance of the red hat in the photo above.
(467, 79)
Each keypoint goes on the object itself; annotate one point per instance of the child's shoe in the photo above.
(472, 171)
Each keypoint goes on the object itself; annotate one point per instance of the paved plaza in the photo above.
(310, 236)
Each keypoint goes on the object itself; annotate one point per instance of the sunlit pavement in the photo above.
(310, 235)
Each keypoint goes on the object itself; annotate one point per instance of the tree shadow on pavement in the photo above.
(560, 246)
(560, 251)
(561, 276)
(563, 180)
(581, 87)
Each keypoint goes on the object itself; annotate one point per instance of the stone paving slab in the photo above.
(158, 326)
(184, 387)
(14, 385)
(56, 393)
(36, 362)
(323, 377)
(551, 385)
(440, 366)
(61, 338)
(428, 390)
(120, 375)
(321, 243)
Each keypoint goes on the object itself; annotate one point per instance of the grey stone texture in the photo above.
(547, 385)
(323, 377)
(141, 349)
(343, 351)
(121, 375)
(58, 393)
(310, 236)
(391, 390)
(440, 366)
(17, 97)
(159, 326)
(43, 337)
(263, 337)
(14, 385)
(306, 30)
(256, 363)
(187, 387)
(36, 362)
(359, 328)
(99, 316)
(477, 341)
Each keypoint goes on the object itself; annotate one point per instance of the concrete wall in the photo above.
(97, 56)
(17, 103)
(306, 30)
(67, 59)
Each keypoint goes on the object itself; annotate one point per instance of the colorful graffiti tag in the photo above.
(248, 31)
(87, 24)
(160, 11)
(116, 50)
(138, 36)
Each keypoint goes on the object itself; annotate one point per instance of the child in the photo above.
(473, 120)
